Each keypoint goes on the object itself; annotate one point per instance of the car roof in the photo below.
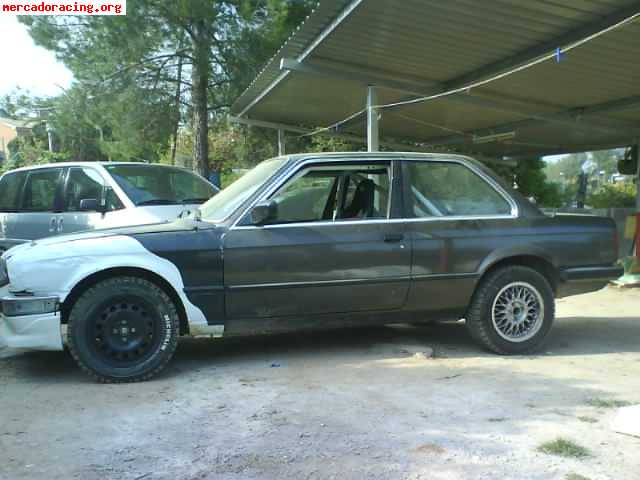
(368, 156)
(293, 158)
(92, 164)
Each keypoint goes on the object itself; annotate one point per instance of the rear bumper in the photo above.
(29, 333)
(574, 281)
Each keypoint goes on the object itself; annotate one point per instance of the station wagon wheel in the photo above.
(123, 329)
(512, 310)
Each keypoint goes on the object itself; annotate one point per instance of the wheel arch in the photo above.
(540, 263)
(97, 277)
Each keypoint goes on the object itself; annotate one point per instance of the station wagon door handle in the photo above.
(393, 237)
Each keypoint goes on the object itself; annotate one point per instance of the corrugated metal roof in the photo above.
(431, 42)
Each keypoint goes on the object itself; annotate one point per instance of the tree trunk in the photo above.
(176, 126)
(200, 81)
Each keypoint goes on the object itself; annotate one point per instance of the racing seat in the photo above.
(362, 204)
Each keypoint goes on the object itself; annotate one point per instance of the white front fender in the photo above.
(55, 269)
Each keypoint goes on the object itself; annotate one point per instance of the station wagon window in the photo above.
(82, 184)
(160, 185)
(10, 190)
(331, 193)
(442, 189)
(40, 190)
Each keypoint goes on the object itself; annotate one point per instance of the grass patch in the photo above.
(587, 419)
(430, 448)
(562, 447)
(605, 403)
(575, 476)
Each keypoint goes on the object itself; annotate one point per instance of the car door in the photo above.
(86, 183)
(456, 216)
(40, 204)
(331, 249)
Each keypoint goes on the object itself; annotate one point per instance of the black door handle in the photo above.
(393, 237)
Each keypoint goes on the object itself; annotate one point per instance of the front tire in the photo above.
(512, 311)
(123, 329)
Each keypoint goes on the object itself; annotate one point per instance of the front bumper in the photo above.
(575, 281)
(27, 333)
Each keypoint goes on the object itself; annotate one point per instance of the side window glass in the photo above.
(10, 190)
(329, 194)
(307, 198)
(40, 190)
(451, 189)
(83, 184)
(366, 194)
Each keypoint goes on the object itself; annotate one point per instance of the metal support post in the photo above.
(373, 132)
(49, 129)
(281, 142)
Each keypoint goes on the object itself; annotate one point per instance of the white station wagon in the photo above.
(47, 200)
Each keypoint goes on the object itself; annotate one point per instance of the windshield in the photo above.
(160, 185)
(230, 198)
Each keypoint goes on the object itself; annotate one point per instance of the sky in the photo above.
(553, 158)
(26, 65)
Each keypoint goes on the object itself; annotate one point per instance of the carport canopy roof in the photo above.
(584, 99)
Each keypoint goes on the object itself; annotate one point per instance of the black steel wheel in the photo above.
(123, 329)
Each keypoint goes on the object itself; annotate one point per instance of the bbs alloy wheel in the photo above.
(517, 312)
(512, 310)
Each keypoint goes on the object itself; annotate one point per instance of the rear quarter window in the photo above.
(442, 189)
(10, 190)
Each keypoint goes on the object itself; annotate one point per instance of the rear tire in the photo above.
(512, 311)
(123, 329)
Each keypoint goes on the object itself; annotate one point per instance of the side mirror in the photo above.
(264, 212)
(91, 205)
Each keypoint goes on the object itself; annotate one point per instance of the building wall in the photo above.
(7, 134)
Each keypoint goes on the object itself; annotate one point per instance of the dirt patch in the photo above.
(350, 405)
(430, 448)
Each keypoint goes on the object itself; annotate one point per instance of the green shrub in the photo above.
(617, 195)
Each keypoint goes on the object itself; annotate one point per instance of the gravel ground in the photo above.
(346, 405)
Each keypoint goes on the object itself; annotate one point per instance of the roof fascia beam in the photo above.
(303, 131)
(357, 74)
(399, 147)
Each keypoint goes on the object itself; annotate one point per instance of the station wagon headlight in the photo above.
(18, 306)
